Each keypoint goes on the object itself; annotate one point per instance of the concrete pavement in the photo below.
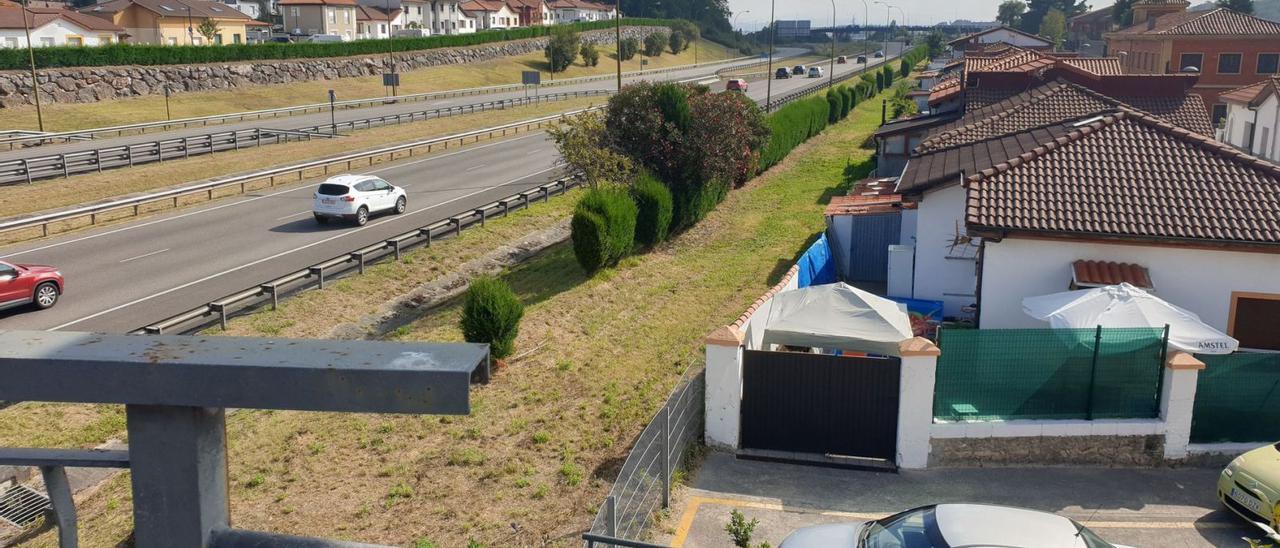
(1130, 506)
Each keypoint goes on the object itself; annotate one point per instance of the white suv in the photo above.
(355, 197)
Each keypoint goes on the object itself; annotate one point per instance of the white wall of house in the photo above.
(943, 273)
(418, 13)
(1199, 280)
(504, 18)
(444, 17)
(56, 33)
(1001, 35)
(1263, 121)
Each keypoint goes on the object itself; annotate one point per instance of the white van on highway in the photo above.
(356, 197)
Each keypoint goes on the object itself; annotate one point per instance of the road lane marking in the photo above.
(253, 199)
(473, 168)
(293, 215)
(145, 255)
(283, 253)
(695, 503)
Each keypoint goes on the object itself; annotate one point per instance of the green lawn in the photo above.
(547, 435)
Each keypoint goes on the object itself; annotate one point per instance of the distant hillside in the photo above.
(1266, 9)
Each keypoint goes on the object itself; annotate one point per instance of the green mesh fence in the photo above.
(1003, 374)
(1237, 399)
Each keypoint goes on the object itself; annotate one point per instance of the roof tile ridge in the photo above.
(1049, 147)
(1037, 94)
(1204, 142)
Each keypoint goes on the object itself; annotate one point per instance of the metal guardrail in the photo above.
(822, 83)
(27, 170)
(643, 486)
(354, 262)
(296, 172)
(36, 138)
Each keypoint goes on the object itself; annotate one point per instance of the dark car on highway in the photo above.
(24, 284)
(879, 54)
(782, 74)
(799, 70)
(862, 59)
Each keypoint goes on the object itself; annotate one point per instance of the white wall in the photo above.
(1267, 116)
(1199, 280)
(937, 277)
(57, 30)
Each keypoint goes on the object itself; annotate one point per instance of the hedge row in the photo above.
(146, 54)
(654, 206)
(791, 125)
(604, 228)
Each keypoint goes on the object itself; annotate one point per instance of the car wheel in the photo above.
(46, 295)
(362, 216)
(401, 204)
(322, 219)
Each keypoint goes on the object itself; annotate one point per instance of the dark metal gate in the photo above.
(831, 406)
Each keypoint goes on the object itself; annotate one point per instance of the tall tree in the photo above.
(562, 49)
(1037, 9)
(934, 42)
(1010, 12)
(1054, 27)
(1242, 6)
(1122, 12)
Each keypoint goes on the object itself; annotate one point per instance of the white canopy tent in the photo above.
(1125, 305)
(837, 316)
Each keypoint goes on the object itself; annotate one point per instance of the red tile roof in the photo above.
(1016, 59)
(1100, 273)
(863, 205)
(1253, 94)
(317, 2)
(944, 90)
(369, 13)
(1130, 176)
(1220, 21)
(204, 9)
(11, 16)
(1095, 65)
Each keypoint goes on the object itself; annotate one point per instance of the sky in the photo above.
(917, 11)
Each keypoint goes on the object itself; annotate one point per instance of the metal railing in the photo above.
(271, 177)
(643, 486)
(355, 262)
(22, 138)
(27, 170)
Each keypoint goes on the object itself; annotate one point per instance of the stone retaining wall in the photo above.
(92, 84)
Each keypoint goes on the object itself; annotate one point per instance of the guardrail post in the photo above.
(482, 215)
(186, 148)
(275, 295)
(221, 309)
(97, 158)
(506, 207)
(257, 136)
(359, 258)
(395, 245)
(128, 152)
(426, 233)
(62, 159)
(64, 507)
(457, 225)
(611, 516)
(666, 456)
(26, 168)
(319, 273)
(546, 196)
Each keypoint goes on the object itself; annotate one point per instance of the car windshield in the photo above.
(910, 529)
(1091, 539)
(333, 190)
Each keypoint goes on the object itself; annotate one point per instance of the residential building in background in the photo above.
(311, 17)
(1253, 118)
(1226, 48)
(52, 26)
(376, 23)
(1085, 31)
(997, 35)
(175, 22)
(416, 14)
(573, 11)
(532, 12)
(447, 17)
(491, 14)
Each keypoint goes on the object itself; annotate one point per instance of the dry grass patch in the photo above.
(88, 188)
(32, 424)
(548, 434)
(506, 70)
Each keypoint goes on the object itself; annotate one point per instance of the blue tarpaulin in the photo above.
(816, 265)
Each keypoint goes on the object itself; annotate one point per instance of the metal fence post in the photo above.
(1093, 368)
(275, 295)
(26, 167)
(221, 309)
(319, 273)
(666, 455)
(359, 258)
(64, 507)
(611, 516)
(395, 245)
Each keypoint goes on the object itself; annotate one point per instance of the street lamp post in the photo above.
(333, 116)
(866, 20)
(831, 77)
(31, 57)
(735, 18)
(887, 16)
(617, 28)
(391, 53)
(768, 86)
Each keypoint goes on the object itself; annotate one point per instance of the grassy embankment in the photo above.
(545, 437)
(506, 70)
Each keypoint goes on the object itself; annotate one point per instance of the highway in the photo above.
(124, 276)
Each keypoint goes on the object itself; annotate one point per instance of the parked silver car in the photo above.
(946, 525)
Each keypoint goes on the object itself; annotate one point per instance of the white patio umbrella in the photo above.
(1125, 305)
(837, 315)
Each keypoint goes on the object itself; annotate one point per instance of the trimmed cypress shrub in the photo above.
(879, 81)
(846, 96)
(690, 203)
(604, 240)
(888, 76)
(653, 210)
(834, 107)
(791, 125)
(491, 314)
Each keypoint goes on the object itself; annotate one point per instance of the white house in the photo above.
(55, 27)
(572, 11)
(415, 14)
(491, 14)
(997, 35)
(1253, 118)
(1188, 216)
(376, 23)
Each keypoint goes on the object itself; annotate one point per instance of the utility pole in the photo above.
(31, 57)
(831, 78)
(768, 87)
(191, 30)
(617, 27)
(391, 54)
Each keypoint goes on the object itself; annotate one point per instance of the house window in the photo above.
(46, 42)
(104, 39)
(333, 15)
(1248, 136)
(11, 42)
(895, 144)
(1228, 63)
(1252, 320)
(75, 41)
(217, 39)
(235, 38)
(1268, 63)
(346, 16)
(293, 11)
(173, 41)
(1219, 114)
(1191, 60)
(1266, 140)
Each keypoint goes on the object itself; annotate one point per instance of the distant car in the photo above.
(862, 59)
(782, 74)
(879, 54)
(815, 72)
(356, 197)
(736, 84)
(1250, 485)
(29, 284)
(798, 70)
(947, 525)
(324, 38)
(842, 60)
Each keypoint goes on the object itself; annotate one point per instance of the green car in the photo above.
(1250, 486)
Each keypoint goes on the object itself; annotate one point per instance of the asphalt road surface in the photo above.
(125, 276)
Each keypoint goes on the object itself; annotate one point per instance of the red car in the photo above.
(736, 84)
(22, 284)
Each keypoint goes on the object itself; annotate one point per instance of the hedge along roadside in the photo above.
(146, 54)
(603, 227)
